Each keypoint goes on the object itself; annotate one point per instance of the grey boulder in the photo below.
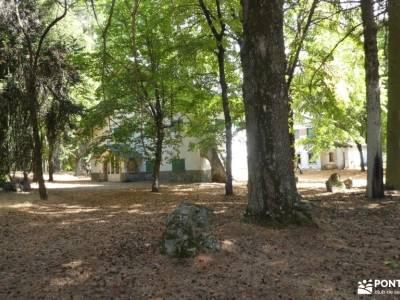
(189, 230)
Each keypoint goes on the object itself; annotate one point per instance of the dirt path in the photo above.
(102, 243)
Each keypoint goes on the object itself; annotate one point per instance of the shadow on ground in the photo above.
(103, 243)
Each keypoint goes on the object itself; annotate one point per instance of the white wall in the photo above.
(239, 156)
(344, 158)
(341, 157)
(193, 160)
(354, 157)
(114, 177)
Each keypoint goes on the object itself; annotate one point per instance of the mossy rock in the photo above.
(334, 184)
(189, 230)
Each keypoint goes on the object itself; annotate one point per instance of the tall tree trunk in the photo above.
(77, 162)
(272, 192)
(219, 36)
(362, 163)
(217, 168)
(51, 160)
(37, 143)
(374, 150)
(34, 171)
(393, 123)
(155, 187)
(228, 120)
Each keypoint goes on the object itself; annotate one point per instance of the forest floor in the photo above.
(101, 241)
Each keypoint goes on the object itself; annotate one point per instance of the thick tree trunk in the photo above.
(272, 192)
(393, 123)
(374, 150)
(362, 163)
(51, 160)
(228, 120)
(37, 143)
(155, 187)
(217, 168)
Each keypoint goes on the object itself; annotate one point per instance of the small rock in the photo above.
(348, 183)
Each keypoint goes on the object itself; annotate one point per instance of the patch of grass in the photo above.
(393, 264)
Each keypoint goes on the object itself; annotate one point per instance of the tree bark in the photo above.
(155, 187)
(217, 168)
(34, 177)
(272, 192)
(228, 120)
(77, 162)
(362, 163)
(393, 123)
(51, 160)
(37, 143)
(374, 150)
(219, 38)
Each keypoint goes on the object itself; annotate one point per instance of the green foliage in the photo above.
(126, 73)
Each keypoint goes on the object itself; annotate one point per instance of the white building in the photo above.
(118, 164)
(345, 157)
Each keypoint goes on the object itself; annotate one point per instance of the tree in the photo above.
(304, 16)
(34, 45)
(145, 79)
(219, 34)
(15, 131)
(334, 103)
(58, 117)
(272, 192)
(375, 187)
(58, 79)
(393, 122)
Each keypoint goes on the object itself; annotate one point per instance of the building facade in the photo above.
(184, 164)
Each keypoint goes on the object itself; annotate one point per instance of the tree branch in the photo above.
(325, 59)
(207, 14)
(293, 62)
(46, 31)
(28, 40)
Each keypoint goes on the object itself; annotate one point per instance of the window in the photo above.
(331, 157)
(132, 165)
(297, 133)
(114, 162)
(178, 165)
(310, 132)
(149, 166)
